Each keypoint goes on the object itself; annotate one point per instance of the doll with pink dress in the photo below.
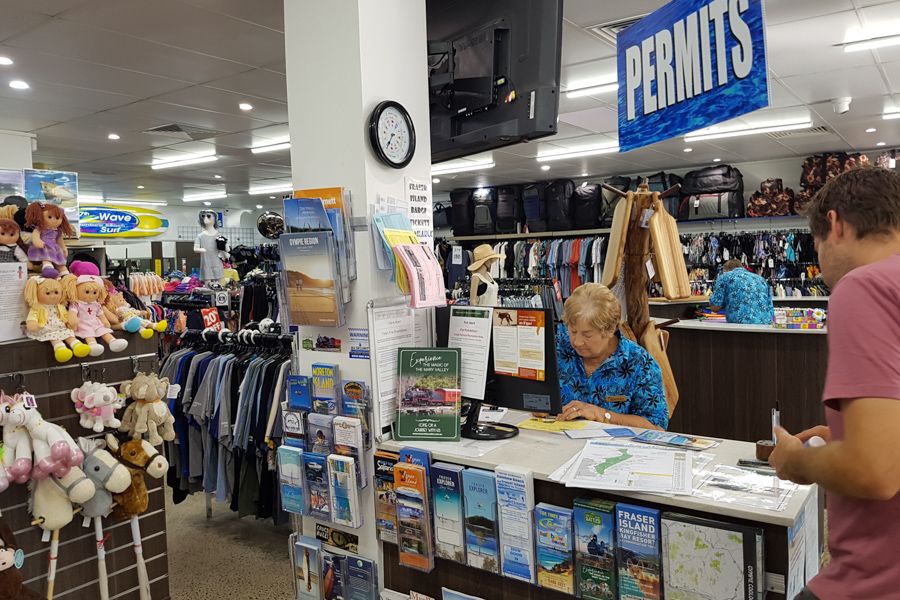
(47, 246)
(87, 293)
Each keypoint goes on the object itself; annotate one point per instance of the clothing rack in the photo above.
(244, 337)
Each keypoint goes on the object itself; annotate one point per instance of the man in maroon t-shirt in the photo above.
(855, 221)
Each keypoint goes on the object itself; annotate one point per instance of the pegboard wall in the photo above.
(236, 236)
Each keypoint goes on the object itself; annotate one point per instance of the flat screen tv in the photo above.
(493, 73)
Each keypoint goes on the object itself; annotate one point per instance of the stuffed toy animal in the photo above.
(108, 474)
(97, 404)
(49, 505)
(124, 317)
(149, 413)
(139, 457)
(11, 559)
(17, 449)
(47, 247)
(47, 319)
(55, 452)
(86, 293)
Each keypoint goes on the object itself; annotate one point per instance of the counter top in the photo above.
(544, 452)
(705, 300)
(735, 327)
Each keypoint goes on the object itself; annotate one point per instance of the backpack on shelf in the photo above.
(509, 208)
(712, 193)
(818, 169)
(608, 200)
(462, 212)
(485, 201)
(559, 204)
(772, 200)
(660, 182)
(442, 215)
(586, 205)
(534, 205)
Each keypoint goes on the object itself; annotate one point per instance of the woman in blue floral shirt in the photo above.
(603, 376)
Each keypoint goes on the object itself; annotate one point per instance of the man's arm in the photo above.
(717, 298)
(865, 464)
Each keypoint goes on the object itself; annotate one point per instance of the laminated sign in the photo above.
(689, 65)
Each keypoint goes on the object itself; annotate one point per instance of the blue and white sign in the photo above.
(689, 65)
(105, 220)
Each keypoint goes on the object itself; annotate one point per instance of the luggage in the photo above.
(559, 204)
(660, 182)
(509, 208)
(586, 206)
(534, 205)
(819, 169)
(442, 215)
(712, 193)
(485, 200)
(462, 212)
(772, 200)
(608, 200)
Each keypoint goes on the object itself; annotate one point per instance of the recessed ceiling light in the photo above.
(217, 176)
(717, 160)
(258, 206)
(584, 174)
(545, 167)
(881, 144)
(871, 130)
(114, 137)
(435, 180)
(18, 84)
(245, 106)
(140, 187)
(273, 197)
(688, 149)
(207, 204)
(5, 61)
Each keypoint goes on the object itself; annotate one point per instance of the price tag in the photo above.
(174, 388)
(696, 201)
(725, 254)
(29, 400)
(20, 558)
(645, 218)
(457, 255)
(211, 319)
(771, 263)
(651, 272)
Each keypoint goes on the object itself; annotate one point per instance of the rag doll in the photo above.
(47, 319)
(124, 317)
(12, 248)
(47, 246)
(87, 293)
(11, 560)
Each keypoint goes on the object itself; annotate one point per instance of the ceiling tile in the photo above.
(586, 13)
(81, 41)
(46, 7)
(579, 46)
(260, 83)
(808, 46)
(785, 11)
(17, 19)
(893, 73)
(861, 81)
(191, 116)
(880, 20)
(67, 96)
(206, 98)
(780, 97)
(266, 13)
(596, 120)
(565, 131)
(175, 24)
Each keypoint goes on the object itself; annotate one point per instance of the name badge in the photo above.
(616, 399)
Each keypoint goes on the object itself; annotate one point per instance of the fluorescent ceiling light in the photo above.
(140, 187)
(890, 115)
(462, 167)
(217, 176)
(713, 134)
(688, 150)
(183, 162)
(545, 168)
(872, 44)
(271, 145)
(258, 206)
(564, 154)
(593, 90)
(205, 196)
(880, 144)
(435, 180)
(207, 204)
(5, 61)
(18, 84)
(245, 106)
(114, 137)
(873, 130)
(272, 197)
(717, 160)
(271, 189)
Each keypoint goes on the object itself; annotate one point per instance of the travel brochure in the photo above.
(676, 440)
(519, 343)
(311, 279)
(429, 394)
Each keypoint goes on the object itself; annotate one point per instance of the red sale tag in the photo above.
(211, 319)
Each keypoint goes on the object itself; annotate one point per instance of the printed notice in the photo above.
(519, 343)
(14, 276)
(506, 342)
(392, 328)
(470, 331)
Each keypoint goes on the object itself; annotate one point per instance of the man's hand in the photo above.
(784, 457)
(822, 431)
(580, 410)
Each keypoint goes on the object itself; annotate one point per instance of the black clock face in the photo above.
(392, 134)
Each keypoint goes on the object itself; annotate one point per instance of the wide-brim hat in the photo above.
(482, 254)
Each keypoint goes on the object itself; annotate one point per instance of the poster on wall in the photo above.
(421, 212)
(112, 221)
(689, 65)
(12, 183)
(12, 291)
(58, 187)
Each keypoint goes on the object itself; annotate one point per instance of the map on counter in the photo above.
(607, 465)
(710, 560)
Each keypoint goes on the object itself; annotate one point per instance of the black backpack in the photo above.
(712, 193)
(586, 205)
(608, 200)
(534, 205)
(509, 208)
(441, 218)
(463, 212)
(485, 211)
(559, 204)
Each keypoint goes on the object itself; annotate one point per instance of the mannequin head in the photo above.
(482, 258)
(208, 218)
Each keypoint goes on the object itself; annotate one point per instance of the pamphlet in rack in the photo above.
(339, 207)
(311, 279)
(429, 394)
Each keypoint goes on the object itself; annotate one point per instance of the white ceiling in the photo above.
(123, 66)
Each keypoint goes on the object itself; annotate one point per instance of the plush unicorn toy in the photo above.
(16, 445)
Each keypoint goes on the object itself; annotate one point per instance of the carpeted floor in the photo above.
(210, 559)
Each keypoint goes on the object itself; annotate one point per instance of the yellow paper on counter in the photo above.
(536, 424)
(395, 237)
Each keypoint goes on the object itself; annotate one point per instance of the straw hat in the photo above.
(482, 254)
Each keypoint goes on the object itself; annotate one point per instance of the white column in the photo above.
(15, 149)
(343, 58)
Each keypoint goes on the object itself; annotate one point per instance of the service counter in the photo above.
(684, 309)
(544, 453)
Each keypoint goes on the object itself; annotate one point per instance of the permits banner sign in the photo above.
(689, 65)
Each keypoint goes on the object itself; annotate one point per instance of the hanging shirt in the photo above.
(744, 297)
(630, 373)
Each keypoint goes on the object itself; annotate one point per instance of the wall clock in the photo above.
(392, 134)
